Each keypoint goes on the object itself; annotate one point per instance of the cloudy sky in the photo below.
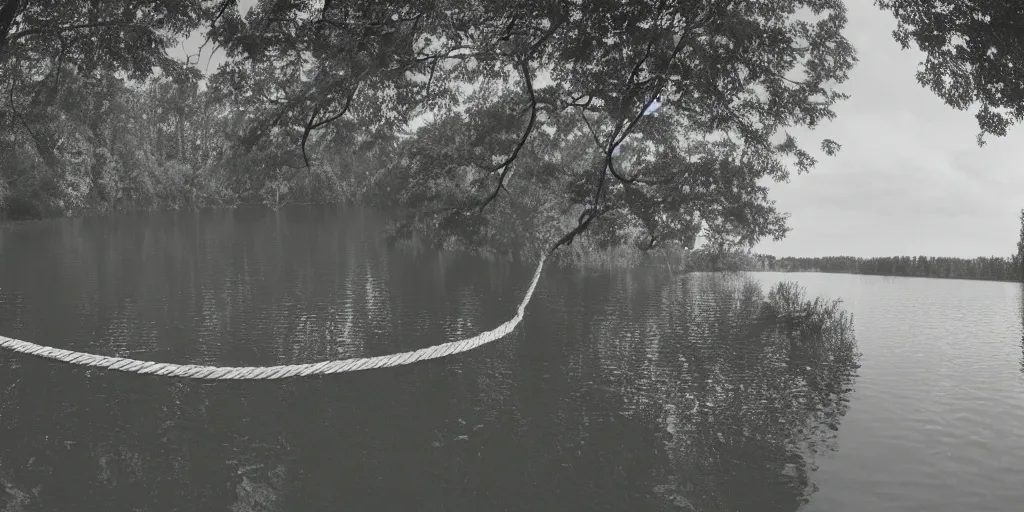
(910, 179)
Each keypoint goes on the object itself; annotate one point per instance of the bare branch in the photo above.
(223, 8)
(305, 135)
(209, 33)
(430, 79)
(600, 188)
(555, 25)
(344, 110)
(591, 128)
(584, 221)
(313, 124)
(640, 63)
(506, 165)
(621, 132)
(575, 102)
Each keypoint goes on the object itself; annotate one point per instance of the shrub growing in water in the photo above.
(820, 333)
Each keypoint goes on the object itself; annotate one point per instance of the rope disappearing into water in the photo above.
(275, 372)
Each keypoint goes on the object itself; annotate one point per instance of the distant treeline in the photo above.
(984, 268)
(992, 268)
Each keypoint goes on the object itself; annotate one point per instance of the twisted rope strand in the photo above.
(275, 372)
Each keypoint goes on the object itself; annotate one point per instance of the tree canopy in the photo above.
(510, 124)
(504, 91)
(65, 67)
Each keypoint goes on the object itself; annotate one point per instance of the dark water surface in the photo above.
(623, 391)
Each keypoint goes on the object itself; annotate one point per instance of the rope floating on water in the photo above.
(275, 372)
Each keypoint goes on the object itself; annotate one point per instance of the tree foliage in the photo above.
(97, 115)
(64, 70)
(161, 144)
(974, 55)
(495, 123)
(490, 123)
(499, 84)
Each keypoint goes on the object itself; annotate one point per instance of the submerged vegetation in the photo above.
(769, 382)
(821, 330)
(820, 323)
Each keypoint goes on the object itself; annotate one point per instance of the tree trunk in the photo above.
(46, 148)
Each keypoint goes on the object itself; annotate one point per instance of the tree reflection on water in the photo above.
(743, 394)
(620, 391)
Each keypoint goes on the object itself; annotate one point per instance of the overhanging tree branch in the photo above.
(344, 110)
(621, 132)
(585, 219)
(313, 124)
(590, 127)
(505, 166)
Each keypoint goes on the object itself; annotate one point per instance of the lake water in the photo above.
(620, 391)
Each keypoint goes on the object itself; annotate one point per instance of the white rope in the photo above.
(275, 372)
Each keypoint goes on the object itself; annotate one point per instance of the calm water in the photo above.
(620, 391)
